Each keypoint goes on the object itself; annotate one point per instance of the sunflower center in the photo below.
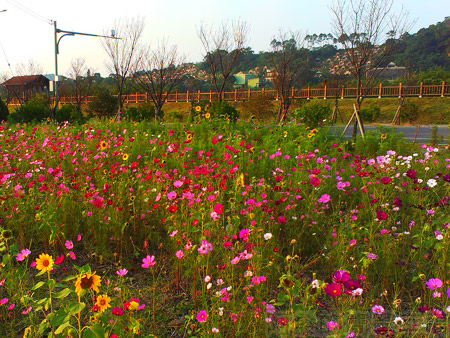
(45, 262)
(87, 282)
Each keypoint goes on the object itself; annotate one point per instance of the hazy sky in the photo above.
(26, 34)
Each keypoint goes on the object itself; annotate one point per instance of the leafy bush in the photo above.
(104, 104)
(314, 113)
(69, 113)
(223, 110)
(370, 113)
(142, 112)
(176, 116)
(261, 107)
(35, 110)
(3, 111)
(410, 112)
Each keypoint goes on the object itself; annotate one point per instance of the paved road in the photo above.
(423, 135)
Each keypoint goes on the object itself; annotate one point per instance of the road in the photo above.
(408, 132)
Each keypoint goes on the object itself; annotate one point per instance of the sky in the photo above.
(26, 32)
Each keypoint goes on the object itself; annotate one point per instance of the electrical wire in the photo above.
(30, 12)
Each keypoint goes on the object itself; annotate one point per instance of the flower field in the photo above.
(215, 229)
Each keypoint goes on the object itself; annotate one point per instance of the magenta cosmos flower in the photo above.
(148, 261)
(331, 325)
(201, 316)
(325, 198)
(433, 283)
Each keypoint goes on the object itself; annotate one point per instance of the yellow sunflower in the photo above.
(87, 281)
(207, 115)
(125, 157)
(198, 108)
(44, 263)
(103, 145)
(310, 135)
(383, 136)
(314, 130)
(103, 302)
(189, 136)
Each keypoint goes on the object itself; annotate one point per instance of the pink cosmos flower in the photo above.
(69, 245)
(3, 301)
(325, 198)
(433, 283)
(331, 325)
(148, 261)
(122, 272)
(10, 307)
(22, 254)
(179, 254)
(79, 237)
(377, 309)
(72, 255)
(171, 195)
(28, 309)
(201, 316)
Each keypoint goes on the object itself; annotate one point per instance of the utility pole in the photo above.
(57, 41)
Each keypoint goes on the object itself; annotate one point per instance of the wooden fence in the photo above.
(379, 91)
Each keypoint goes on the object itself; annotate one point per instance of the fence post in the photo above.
(210, 95)
(379, 91)
(325, 92)
(262, 91)
(235, 94)
(342, 92)
(176, 96)
(308, 93)
(292, 92)
(187, 95)
(443, 88)
(136, 97)
(400, 90)
(248, 94)
(421, 89)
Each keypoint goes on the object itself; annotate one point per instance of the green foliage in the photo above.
(143, 112)
(410, 112)
(69, 113)
(104, 104)
(35, 110)
(176, 116)
(223, 110)
(370, 113)
(314, 113)
(3, 111)
(261, 107)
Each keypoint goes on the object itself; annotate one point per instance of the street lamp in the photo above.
(57, 41)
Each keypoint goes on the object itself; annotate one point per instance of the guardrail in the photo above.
(379, 91)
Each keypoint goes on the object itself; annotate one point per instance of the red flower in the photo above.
(282, 321)
(333, 289)
(173, 208)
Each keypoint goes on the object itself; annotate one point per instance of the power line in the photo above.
(30, 12)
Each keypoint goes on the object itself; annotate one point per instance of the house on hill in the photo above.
(22, 88)
(391, 72)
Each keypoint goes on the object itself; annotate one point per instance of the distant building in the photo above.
(242, 79)
(23, 88)
(390, 72)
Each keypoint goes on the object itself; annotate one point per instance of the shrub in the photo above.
(35, 110)
(69, 113)
(370, 113)
(261, 107)
(142, 112)
(3, 111)
(314, 113)
(104, 104)
(410, 112)
(223, 110)
(176, 115)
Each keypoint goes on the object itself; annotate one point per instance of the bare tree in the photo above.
(289, 61)
(124, 53)
(160, 71)
(31, 68)
(83, 79)
(223, 47)
(361, 26)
